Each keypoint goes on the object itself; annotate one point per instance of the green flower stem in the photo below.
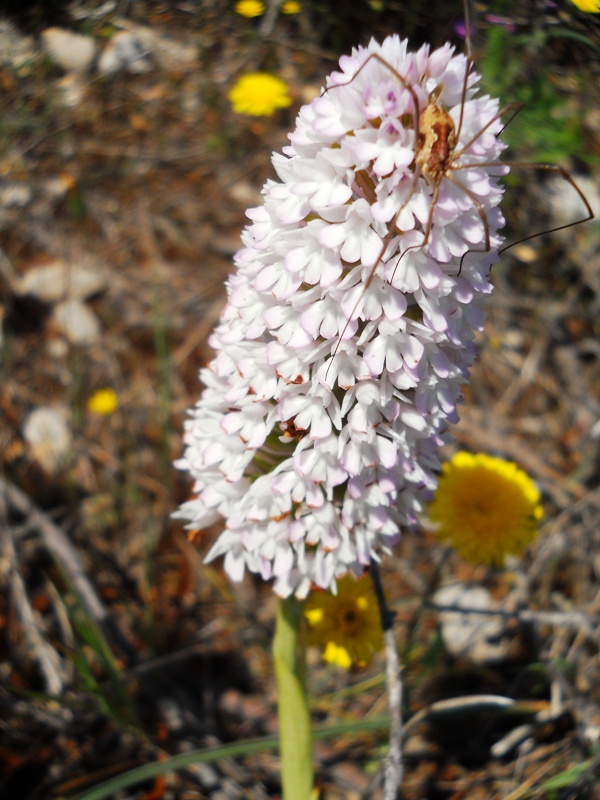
(295, 733)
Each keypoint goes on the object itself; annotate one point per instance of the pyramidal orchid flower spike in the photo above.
(350, 321)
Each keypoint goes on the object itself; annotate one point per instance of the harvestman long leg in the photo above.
(519, 165)
(528, 165)
(444, 167)
(421, 169)
(453, 167)
(435, 177)
(392, 224)
(516, 107)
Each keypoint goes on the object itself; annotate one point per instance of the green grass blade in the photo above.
(247, 747)
(565, 779)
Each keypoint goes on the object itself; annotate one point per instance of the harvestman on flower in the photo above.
(350, 321)
(437, 156)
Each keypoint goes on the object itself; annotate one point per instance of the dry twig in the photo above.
(67, 557)
(42, 652)
(393, 760)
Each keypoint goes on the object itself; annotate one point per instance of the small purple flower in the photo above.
(505, 22)
(460, 29)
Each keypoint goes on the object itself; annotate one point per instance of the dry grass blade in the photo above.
(46, 657)
(57, 542)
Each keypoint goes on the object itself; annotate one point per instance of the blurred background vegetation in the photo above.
(123, 186)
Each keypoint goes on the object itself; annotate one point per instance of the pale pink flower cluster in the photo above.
(317, 434)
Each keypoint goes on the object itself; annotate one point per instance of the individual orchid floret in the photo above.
(350, 321)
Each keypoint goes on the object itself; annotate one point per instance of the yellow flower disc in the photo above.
(291, 7)
(104, 402)
(259, 94)
(485, 507)
(250, 8)
(589, 6)
(347, 625)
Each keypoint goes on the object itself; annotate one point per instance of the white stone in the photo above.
(15, 195)
(60, 280)
(77, 322)
(125, 51)
(563, 201)
(49, 437)
(57, 347)
(57, 187)
(71, 51)
(173, 55)
(170, 54)
(245, 193)
(83, 11)
(475, 636)
(72, 90)
(16, 50)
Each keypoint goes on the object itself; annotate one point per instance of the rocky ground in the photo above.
(124, 177)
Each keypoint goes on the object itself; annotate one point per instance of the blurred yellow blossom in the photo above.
(291, 7)
(250, 8)
(485, 507)
(104, 401)
(259, 94)
(347, 625)
(589, 6)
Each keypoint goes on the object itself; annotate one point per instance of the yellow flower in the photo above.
(590, 6)
(346, 625)
(104, 401)
(291, 7)
(485, 507)
(250, 8)
(259, 94)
